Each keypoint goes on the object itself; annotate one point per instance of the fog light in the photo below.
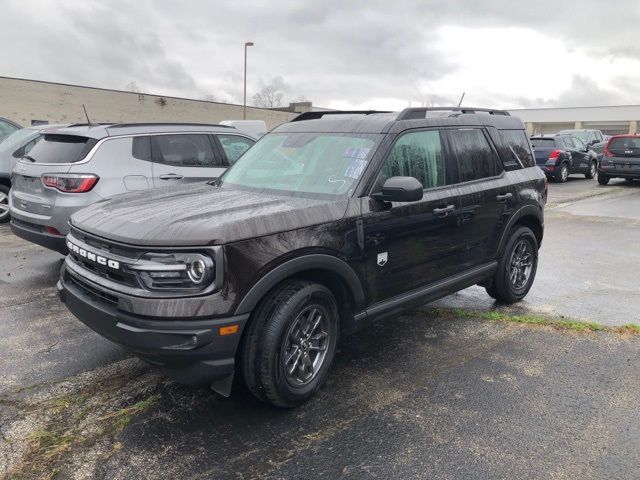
(197, 270)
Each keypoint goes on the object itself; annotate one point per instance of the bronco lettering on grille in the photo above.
(93, 257)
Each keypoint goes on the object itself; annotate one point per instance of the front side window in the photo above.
(568, 143)
(234, 146)
(418, 155)
(304, 164)
(579, 144)
(476, 159)
(184, 150)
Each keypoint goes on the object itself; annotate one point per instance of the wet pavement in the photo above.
(421, 396)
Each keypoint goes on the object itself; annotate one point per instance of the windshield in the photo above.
(16, 139)
(543, 142)
(61, 149)
(320, 164)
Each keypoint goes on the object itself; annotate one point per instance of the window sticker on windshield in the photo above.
(355, 169)
(356, 152)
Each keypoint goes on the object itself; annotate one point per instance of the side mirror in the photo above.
(400, 189)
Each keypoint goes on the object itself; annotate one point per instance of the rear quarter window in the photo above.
(518, 143)
(54, 148)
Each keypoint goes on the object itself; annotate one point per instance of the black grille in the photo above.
(92, 292)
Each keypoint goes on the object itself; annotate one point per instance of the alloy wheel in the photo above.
(564, 173)
(4, 206)
(521, 264)
(593, 170)
(304, 347)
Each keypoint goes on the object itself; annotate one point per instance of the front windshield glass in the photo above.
(15, 140)
(316, 164)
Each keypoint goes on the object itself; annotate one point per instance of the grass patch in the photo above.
(70, 428)
(560, 323)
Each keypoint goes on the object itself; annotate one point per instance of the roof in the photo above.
(99, 131)
(384, 122)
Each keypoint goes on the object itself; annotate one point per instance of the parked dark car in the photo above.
(621, 159)
(594, 139)
(327, 223)
(562, 155)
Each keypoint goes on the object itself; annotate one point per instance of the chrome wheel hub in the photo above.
(304, 347)
(521, 264)
(4, 205)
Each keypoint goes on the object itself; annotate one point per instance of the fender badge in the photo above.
(382, 259)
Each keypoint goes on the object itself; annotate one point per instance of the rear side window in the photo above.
(519, 144)
(189, 150)
(55, 148)
(141, 148)
(418, 155)
(234, 146)
(476, 158)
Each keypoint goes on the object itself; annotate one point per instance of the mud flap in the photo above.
(223, 386)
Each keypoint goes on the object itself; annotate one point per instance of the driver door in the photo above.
(408, 245)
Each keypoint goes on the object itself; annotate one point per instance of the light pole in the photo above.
(244, 104)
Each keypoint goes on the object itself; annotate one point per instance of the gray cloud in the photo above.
(329, 51)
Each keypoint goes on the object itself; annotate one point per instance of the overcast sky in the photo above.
(336, 53)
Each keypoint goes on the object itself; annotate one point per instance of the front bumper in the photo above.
(191, 351)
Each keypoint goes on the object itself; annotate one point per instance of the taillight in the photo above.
(70, 182)
(555, 154)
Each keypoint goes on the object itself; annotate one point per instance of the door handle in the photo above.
(503, 197)
(444, 211)
(171, 176)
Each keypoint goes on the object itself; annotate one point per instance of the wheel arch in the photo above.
(332, 272)
(528, 216)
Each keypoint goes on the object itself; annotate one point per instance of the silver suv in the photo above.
(73, 167)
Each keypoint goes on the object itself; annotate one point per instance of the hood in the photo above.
(201, 214)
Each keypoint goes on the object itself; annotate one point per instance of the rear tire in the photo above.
(562, 174)
(592, 171)
(603, 179)
(516, 267)
(4, 204)
(284, 358)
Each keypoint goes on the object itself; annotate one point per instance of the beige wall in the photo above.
(25, 100)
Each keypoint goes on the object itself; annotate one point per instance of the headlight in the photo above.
(175, 271)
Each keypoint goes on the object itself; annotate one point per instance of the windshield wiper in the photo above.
(30, 158)
(213, 182)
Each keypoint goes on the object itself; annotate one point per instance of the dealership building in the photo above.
(33, 102)
(612, 120)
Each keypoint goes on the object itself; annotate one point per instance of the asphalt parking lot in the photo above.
(431, 394)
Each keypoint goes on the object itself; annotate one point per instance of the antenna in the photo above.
(86, 114)
(461, 98)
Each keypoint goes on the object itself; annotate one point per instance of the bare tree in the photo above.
(268, 97)
(300, 99)
(132, 87)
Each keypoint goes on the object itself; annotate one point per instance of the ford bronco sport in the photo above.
(327, 223)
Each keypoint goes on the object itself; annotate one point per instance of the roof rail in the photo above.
(317, 115)
(419, 113)
(88, 124)
(167, 124)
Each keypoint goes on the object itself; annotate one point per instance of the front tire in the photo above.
(290, 343)
(516, 267)
(603, 179)
(4, 204)
(592, 171)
